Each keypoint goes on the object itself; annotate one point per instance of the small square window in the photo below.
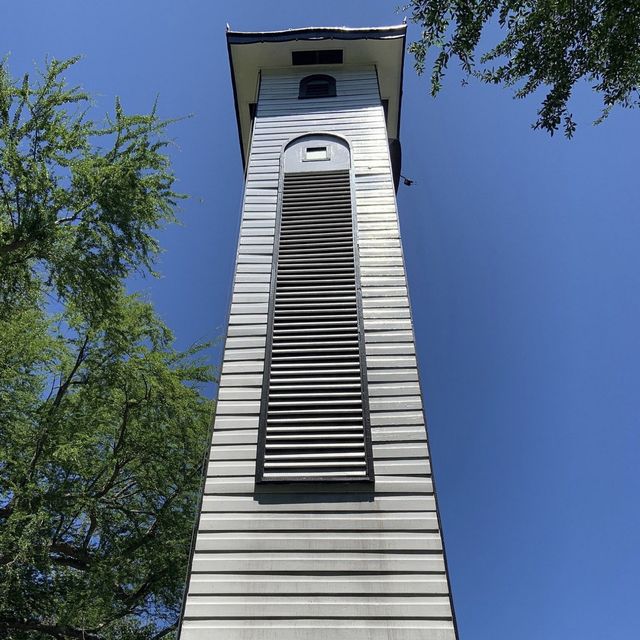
(316, 153)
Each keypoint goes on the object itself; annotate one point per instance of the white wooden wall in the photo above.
(316, 566)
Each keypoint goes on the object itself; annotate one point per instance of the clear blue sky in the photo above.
(523, 256)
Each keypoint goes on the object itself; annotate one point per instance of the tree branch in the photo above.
(56, 402)
(6, 249)
(79, 360)
(93, 523)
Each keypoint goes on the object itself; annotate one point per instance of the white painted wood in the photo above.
(389, 403)
(373, 324)
(235, 422)
(247, 329)
(270, 562)
(253, 277)
(245, 342)
(244, 354)
(396, 418)
(402, 451)
(367, 271)
(315, 503)
(393, 389)
(398, 433)
(392, 375)
(322, 523)
(314, 629)
(222, 468)
(400, 348)
(378, 314)
(317, 606)
(248, 319)
(367, 561)
(242, 381)
(251, 287)
(223, 450)
(391, 362)
(249, 366)
(402, 467)
(253, 268)
(240, 297)
(245, 257)
(227, 584)
(232, 437)
(239, 393)
(242, 308)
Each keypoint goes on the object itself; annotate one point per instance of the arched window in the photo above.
(317, 86)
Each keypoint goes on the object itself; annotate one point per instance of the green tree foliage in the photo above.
(103, 425)
(548, 45)
(78, 201)
(101, 440)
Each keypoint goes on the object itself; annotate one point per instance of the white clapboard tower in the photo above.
(319, 518)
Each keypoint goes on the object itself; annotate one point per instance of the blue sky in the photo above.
(524, 270)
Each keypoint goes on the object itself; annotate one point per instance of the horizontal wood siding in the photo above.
(324, 564)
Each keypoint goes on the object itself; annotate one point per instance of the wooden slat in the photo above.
(314, 629)
(278, 584)
(322, 521)
(342, 563)
(303, 541)
(317, 503)
(318, 606)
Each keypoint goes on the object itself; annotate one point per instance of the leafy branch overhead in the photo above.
(79, 202)
(549, 46)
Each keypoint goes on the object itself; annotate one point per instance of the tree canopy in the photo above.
(102, 435)
(103, 422)
(79, 201)
(548, 46)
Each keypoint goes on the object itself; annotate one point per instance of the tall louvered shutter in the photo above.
(314, 419)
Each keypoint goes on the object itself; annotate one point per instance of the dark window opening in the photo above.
(328, 56)
(316, 153)
(317, 86)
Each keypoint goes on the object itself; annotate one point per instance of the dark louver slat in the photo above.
(314, 424)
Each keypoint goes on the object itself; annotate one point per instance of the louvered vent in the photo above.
(314, 420)
(317, 86)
